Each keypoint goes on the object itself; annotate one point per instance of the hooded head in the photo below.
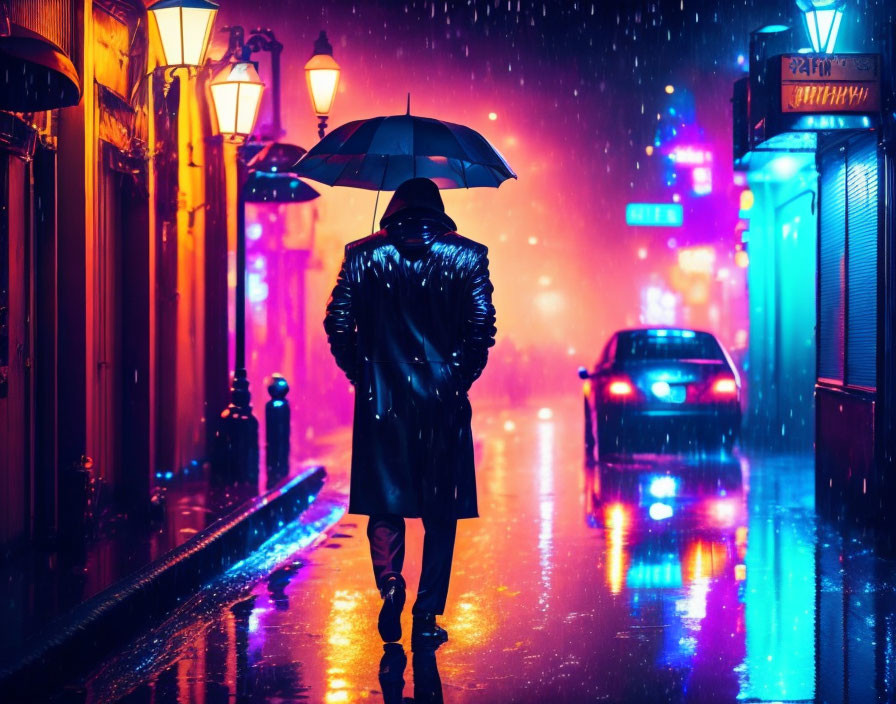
(417, 205)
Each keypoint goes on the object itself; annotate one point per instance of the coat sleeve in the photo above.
(479, 320)
(340, 325)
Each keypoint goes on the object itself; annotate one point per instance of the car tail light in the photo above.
(725, 386)
(620, 388)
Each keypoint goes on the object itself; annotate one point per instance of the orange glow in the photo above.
(493, 116)
(617, 520)
(747, 199)
(742, 259)
(697, 260)
(725, 387)
(322, 76)
(620, 388)
(586, 387)
(703, 560)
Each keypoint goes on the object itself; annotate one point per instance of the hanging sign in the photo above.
(815, 83)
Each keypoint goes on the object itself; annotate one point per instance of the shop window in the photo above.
(861, 304)
(832, 266)
(847, 274)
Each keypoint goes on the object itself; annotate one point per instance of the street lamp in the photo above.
(823, 19)
(322, 75)
(236, 97)
(184, 27)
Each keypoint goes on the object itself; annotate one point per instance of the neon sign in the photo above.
(837, 83)
(654, 214)
(690, 156)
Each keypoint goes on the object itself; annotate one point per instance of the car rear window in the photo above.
(667, 344)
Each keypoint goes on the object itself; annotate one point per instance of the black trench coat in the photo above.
(410, 322)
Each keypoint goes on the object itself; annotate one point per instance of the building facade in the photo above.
(113, 268)
(814, 133)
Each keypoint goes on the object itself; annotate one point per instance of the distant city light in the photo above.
(544, 280)
(702, 180)
(742, 259)
(649, 149)
(533, 240)
(642, 252)
(670, 89)
(658, 306)
(254, 231)
(741, 59)
(697, 260)
(690, 156)
(747, 200)
(545, 414)
(493, 116)
(509, 426)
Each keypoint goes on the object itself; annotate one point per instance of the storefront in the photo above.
(810, 131)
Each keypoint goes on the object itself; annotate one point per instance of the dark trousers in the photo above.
(386, 535)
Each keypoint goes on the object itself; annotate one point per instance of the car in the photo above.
(661, 390)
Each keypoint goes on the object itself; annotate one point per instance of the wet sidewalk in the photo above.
(645, 581)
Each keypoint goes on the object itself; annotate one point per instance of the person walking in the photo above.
(410, 322)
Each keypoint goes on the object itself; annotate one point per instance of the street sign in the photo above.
(836, 83)
(654, 214)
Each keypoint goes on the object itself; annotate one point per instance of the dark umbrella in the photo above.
(381, 153)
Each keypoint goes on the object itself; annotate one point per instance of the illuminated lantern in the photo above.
(184, 27)
(322, 75)
(823, 19)
(236, 96)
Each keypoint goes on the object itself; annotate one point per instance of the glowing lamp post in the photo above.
(184, 27)
(823, 19)
(236, 96)
(322, 75)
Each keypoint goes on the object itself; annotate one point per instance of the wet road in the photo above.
(652, 581)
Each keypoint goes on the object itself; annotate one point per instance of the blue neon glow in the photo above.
(662, 488)
(832, 122)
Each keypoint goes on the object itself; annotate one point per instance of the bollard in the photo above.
(276, 415)
(77, 488)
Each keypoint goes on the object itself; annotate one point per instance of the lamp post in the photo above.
(236, 96)
(823, 19)
(322, 76)
(184, 27)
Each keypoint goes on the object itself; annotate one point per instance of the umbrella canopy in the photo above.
(381, 153)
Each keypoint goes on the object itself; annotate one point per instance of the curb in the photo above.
(85, 634)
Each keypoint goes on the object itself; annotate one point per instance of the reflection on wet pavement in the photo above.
(644, 580)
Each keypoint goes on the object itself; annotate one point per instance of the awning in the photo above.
(35, 74)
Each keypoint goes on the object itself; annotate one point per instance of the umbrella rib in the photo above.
(376, 204)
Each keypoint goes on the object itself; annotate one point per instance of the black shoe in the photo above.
(389, 622)
(426, 633)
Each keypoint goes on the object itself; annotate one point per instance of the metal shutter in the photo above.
(831, 264)
(861, 228)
